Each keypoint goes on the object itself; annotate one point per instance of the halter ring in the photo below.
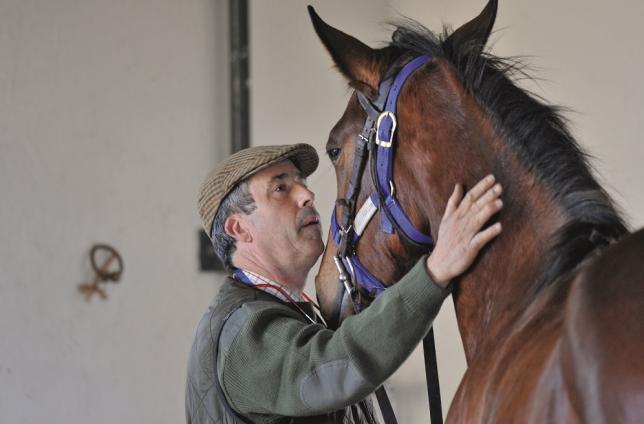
(383, 115)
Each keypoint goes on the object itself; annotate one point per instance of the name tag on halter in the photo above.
(364, 215)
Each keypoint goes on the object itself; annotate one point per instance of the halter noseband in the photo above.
(376, 139)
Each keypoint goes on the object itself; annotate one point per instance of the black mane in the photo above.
(539, 135)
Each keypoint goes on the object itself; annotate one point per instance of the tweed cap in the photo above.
(241, 165)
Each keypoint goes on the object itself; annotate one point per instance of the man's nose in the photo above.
(305, 196)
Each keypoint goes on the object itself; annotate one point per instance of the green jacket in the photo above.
(274, 365)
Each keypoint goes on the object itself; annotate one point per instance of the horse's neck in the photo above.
(499, 285)
(501, 282)
(489, 298)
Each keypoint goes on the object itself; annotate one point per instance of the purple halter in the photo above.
(381, 125)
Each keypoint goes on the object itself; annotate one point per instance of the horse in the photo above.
(551, 314)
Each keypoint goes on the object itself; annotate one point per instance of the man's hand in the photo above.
(459, 235)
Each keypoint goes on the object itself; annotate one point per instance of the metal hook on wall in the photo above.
(104, 273)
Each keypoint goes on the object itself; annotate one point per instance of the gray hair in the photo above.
(239, 200)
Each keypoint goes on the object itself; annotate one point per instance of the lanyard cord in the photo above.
(290, 299)
(239, 275)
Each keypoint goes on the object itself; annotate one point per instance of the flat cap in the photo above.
(241, 165)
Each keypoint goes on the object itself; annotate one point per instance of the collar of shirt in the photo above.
(273, 287)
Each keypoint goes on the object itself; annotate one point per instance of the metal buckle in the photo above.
(383, 115)
(343, 276)
(345, 231)
(367, 139)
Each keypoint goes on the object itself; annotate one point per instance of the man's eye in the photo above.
(281, 187)
(333, 153)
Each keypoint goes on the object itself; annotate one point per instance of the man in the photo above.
(261, 354)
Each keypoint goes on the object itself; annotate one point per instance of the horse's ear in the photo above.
(475, 33)
(355, 60)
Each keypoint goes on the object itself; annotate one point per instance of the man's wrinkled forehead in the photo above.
(280, 171)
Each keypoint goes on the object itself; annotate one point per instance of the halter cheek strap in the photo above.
(385, 129)
(380, 125)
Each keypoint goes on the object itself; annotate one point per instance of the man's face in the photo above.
(285, 227)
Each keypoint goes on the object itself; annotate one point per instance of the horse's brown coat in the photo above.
(572, 351)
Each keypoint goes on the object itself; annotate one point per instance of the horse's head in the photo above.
(434, 113)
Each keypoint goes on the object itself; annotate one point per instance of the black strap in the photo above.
(348, 204)
(431, 374)
(372, 110)
(433, 387)
(354, 413)
(385, 406)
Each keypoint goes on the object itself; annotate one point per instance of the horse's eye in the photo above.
(333, 153)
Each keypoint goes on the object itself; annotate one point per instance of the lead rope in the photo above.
(431, 375)
(386, 410)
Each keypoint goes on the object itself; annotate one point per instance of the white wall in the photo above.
(111, 113)
(109, 117)
(587, 53)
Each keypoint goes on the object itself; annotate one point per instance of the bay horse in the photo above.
(551, 314)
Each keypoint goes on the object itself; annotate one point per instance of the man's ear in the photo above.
(236, 227)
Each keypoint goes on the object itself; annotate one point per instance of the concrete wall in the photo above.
(110, 114)
(587, 55)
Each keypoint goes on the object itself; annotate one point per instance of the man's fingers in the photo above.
(476, 192)
(486, 213)
(482, 238)
(454, 199)
(489, 196)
